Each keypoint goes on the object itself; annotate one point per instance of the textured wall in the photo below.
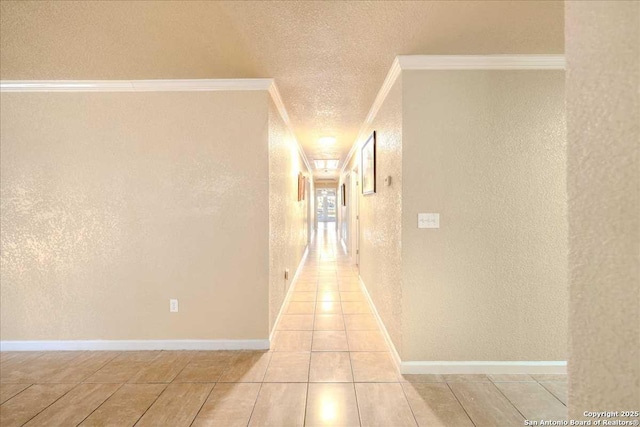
(288, 218)
(113, 203)
(603, 123)
(486, 150)
(380, 218)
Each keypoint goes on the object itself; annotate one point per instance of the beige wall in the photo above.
(380, 218)
(486, 150)
(288, 219)
(113, 203)
(603, 123)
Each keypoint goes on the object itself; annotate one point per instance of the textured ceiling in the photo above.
(329, 59)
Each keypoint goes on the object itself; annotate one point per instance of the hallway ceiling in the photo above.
(329, 59)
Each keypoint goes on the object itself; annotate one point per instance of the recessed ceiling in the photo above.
(328, 58)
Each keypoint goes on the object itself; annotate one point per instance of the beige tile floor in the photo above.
(329, 365)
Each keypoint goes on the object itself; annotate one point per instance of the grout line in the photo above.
(45, 408)
(551, 392)
(20, 392)
(103, 402)
(203, 403)
(460, 403)
(508, 400)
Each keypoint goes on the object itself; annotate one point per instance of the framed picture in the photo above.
(343, 195)
(368, 156)
(301, 185)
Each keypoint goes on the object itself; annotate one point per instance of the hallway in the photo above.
(329, 365)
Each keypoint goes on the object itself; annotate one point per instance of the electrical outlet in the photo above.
(173, 305)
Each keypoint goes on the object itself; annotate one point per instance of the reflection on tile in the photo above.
(288, 367)
(373, 367)
(332, 405)
(329, 341)
(74, 406)
(125, 406)
(330, 366)
(434, 405)
(177, 405)
(383, 405)
(247, 367)
(24, 406)
(486, 405)
(325, 296)
(533, 401)
(229, 405)
(295, 322)
(328, 307)
(329, 322)
(280, 405)
(292, 341)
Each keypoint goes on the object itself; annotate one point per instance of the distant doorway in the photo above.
(326, 205)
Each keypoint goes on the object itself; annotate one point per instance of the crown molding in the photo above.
(481, 62)
(178, 85)
(451, 62)
(277, 99)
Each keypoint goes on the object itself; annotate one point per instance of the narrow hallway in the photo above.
(352, 379)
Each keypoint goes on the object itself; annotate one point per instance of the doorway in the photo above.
(326, 205)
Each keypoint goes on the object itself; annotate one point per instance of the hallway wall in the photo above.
(288, 218)
(113, 203)
(603, 124)
(486, 150)
(381, 216)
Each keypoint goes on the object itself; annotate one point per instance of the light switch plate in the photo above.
(428, 220)
(173, 305)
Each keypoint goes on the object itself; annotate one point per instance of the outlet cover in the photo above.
(428, 220)
(173, 305)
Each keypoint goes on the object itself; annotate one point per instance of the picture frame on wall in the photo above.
(343, 194)
(301, 185)
(368, 156)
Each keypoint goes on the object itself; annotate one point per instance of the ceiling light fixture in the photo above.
(326, 164)
(327, 140)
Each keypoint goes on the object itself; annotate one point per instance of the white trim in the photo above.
(176, 85)
(481, 62)
(484, 367)
(257, 344)
(451, 62)
(462, 367)
(387, 338)
(289, 292)
(277, 99)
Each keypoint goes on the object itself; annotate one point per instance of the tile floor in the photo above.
(329, 365)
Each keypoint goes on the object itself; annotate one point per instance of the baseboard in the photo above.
(462, 367)
(484, 367)
(287, 297)
(124, 345)
(394, 352)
